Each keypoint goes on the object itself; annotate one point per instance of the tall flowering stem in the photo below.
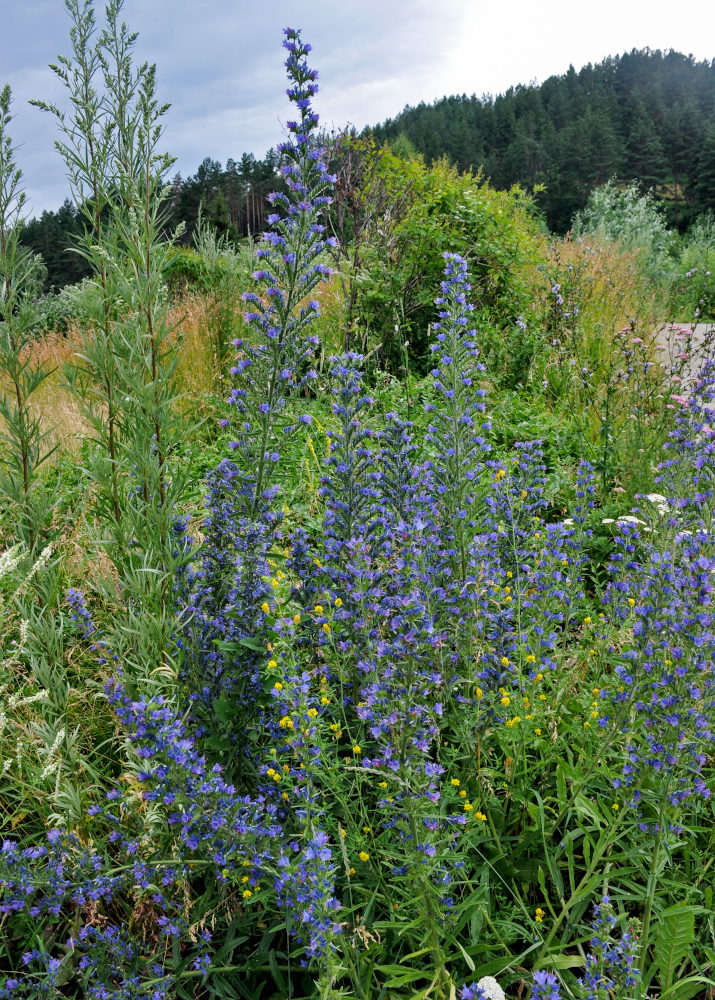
(349, 483)
(273, 365)
(455, 430)
(227, 590)
(24, 443)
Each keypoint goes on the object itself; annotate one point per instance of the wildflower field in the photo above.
(334, 673)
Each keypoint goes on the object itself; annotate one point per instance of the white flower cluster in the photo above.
(491, 988)
(9, 560)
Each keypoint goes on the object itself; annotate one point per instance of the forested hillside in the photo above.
(644, 115)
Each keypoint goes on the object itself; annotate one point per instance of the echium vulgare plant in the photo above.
(457, 428)
(611, 969)
(229, 590)
(291, 266)
(662, 594)
(349, 482)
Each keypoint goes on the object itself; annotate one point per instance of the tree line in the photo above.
(647, 116)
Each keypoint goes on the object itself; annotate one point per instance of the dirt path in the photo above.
(685, 348)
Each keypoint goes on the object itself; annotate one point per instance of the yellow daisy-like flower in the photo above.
(357, 749)
(539, 915)
(504, 661)
(296, 619)
(455, 782)
(318, 609)
(506, 700)
(266, 608)
(278, 686)
(480, 694)
(247, 893)
(338, 602)
(364, 856)
(272, 664)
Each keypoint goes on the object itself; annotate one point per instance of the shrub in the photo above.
(493, 230)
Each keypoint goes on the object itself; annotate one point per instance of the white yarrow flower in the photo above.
(491, 988)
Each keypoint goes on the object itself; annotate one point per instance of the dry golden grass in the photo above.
(198, 381)
(60, 410)
(61, 413)
(613, 291)
(196, 369)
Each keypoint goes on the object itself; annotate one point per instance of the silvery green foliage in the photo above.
(24, 444)
(628, 217)
(124, 374)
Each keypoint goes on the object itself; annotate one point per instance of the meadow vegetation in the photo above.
(355, 585)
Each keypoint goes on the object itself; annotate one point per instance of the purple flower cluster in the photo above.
(662, 592)
(275, 362)
(457, 430)
(546, 986)
(611, 969)
(349, 483)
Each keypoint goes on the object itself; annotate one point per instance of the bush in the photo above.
(634, 220)
(494, 231)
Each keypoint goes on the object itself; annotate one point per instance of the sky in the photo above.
(220, 62)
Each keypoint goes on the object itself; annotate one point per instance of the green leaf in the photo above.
(566, 961)
(673, 937)
(686, 988)
(224, 709)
